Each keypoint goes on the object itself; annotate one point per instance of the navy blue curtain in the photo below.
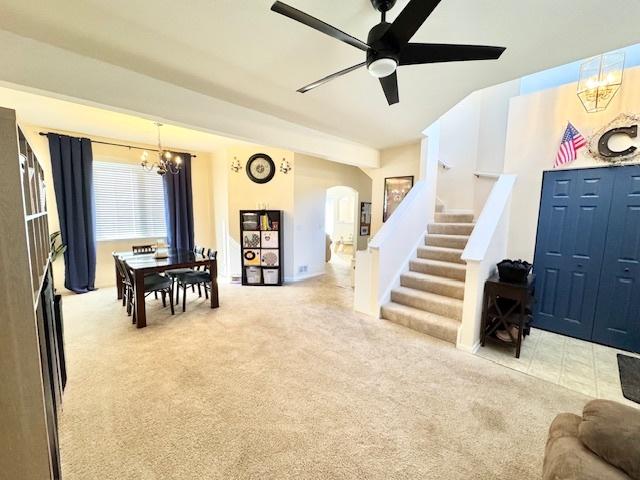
(72, 168)
(178, 200)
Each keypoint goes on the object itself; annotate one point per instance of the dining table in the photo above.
(145, 264)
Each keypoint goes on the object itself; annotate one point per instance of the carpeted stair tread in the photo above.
(429, 302)
(458, 217)
(431, 324)
(451, 228)
(444, 254)
(439, 268)
(447, 287)
(449, 241)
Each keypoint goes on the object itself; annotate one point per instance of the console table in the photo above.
(504, 305)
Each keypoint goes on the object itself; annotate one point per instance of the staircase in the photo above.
(429, 298)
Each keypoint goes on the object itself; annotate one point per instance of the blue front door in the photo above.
(572, 227)
(617, 319)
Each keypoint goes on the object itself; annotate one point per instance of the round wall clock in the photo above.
(260, 168)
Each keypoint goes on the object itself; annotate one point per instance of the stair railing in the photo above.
(378, 268)
(487, 245)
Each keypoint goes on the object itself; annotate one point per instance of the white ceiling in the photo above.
(240, 51)
(55, 115)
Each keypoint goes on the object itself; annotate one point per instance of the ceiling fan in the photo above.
(388, 46)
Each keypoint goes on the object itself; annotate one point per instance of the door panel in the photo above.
(572, 225)
(617, 321)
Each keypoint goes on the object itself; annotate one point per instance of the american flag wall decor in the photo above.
(572, 141)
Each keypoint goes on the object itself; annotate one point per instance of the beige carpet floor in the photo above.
(283, 383)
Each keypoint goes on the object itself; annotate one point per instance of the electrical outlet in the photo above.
(303, 268)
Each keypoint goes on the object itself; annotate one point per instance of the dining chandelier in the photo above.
(165, 162)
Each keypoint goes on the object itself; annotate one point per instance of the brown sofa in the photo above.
(603, 444)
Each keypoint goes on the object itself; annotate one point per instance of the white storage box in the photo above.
(271, 276)
(254, 276)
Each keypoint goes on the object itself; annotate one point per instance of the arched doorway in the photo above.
(341, 235)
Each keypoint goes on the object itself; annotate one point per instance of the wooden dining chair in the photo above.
(142, 249)
(153, 283)
(197, 277)
(126, 286)
(176, 272)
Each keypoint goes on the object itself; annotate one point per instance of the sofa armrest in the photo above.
(612, 431)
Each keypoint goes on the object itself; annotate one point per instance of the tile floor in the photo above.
(581, 366)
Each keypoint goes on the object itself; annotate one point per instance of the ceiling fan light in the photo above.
(383, 67)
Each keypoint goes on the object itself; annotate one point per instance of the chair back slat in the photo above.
(128, 275)
(120, 267)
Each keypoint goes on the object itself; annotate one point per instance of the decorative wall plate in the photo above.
(270, 258)
(251, 257)
(260, 168)
(251, 240)
(269, 239)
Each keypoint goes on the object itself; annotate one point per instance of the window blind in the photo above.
(129, 202)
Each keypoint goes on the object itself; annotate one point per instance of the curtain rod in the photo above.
(44, 134)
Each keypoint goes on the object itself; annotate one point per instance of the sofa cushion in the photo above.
(612, 431)
(564, 425)
(566, 458)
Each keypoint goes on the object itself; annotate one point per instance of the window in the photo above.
(129, 202)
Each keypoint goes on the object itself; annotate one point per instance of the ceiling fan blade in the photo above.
(308, 20)
(409, 21)
(390, 87)
(324, 80)
(419, 53)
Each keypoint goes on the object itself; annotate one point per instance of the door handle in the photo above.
(626, 270)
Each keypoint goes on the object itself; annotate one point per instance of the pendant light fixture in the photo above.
(600, 80)
(165, 162)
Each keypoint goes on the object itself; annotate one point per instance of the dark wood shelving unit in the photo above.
(31, 349)
(261, 238)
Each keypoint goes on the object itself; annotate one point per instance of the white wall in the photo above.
(472, 138)
(536, 125)
(105, 273)
(398, 161)
(220, 198)
(459, 130)
(244, 194)
(313, 176)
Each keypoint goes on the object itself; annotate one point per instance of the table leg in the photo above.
(141, 314)
(520, 329)
(118, 281)
(483, 321)
(213, 272)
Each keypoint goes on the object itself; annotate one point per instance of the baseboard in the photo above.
(473, 349)
(299, 278)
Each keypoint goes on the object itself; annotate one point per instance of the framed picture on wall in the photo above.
(365, 219)
(395, 189)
